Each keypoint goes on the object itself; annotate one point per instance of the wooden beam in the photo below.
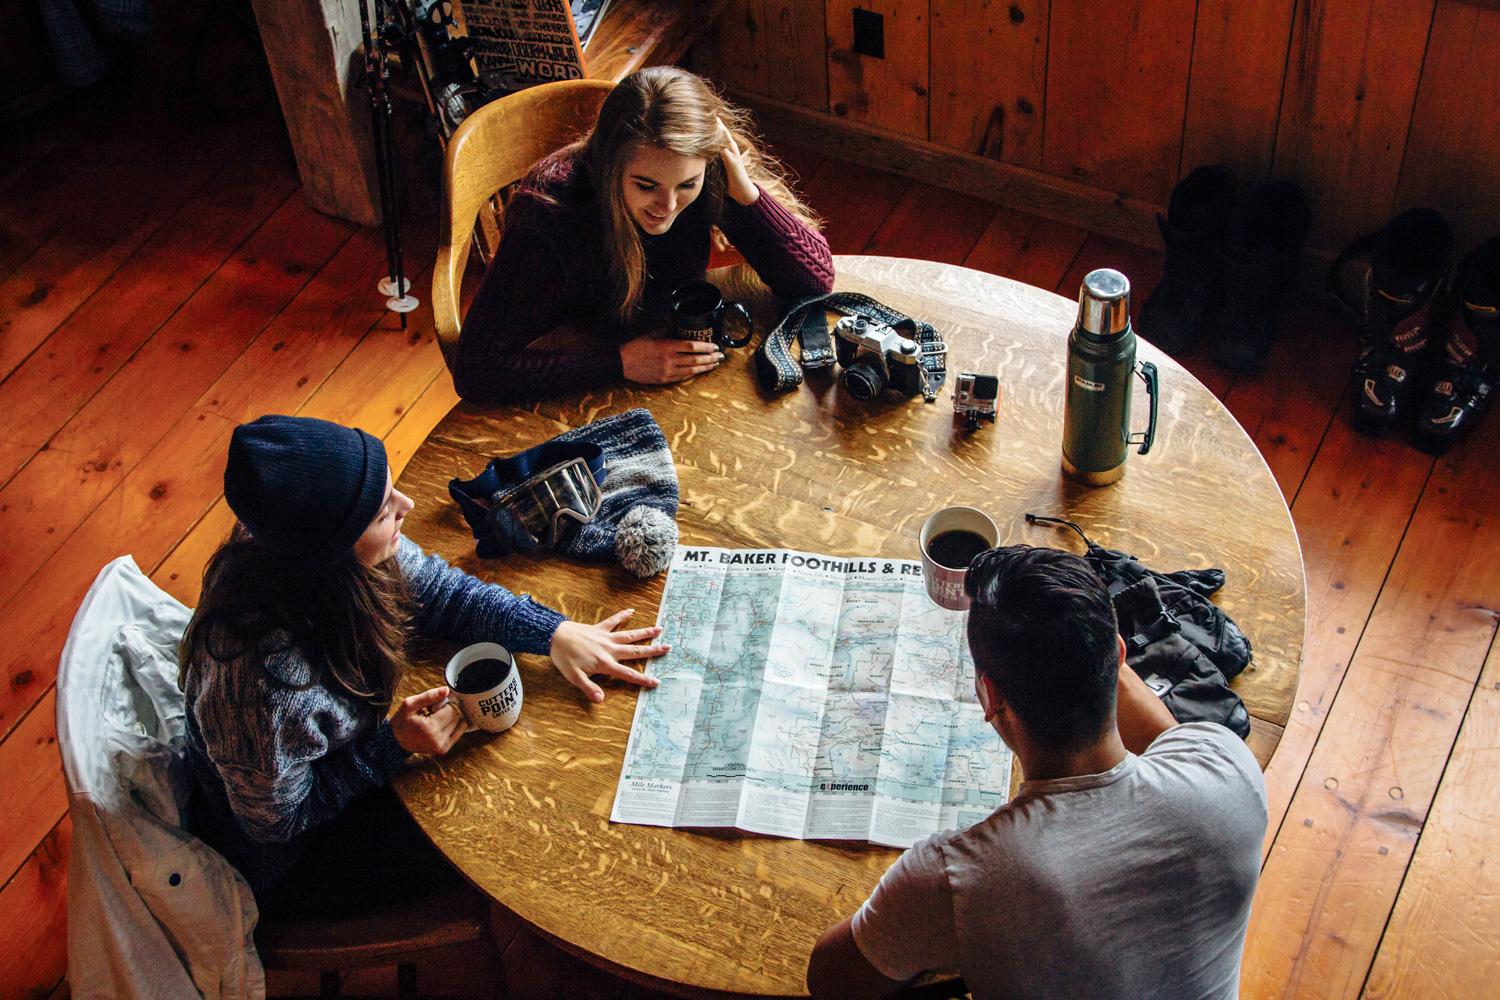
(1017, 187)
(313, 47)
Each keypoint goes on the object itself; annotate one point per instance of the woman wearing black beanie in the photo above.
(292, 659)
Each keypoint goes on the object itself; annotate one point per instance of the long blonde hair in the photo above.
(672, 109)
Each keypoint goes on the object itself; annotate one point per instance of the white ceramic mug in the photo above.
(945, 584)
(495, 708)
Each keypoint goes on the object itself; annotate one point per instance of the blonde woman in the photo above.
(599, 234)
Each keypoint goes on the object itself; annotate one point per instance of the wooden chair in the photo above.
(118, 677)
(491, 150)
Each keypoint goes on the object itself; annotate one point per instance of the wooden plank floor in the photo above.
(145, 310)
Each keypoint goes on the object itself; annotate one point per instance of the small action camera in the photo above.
(976, 398)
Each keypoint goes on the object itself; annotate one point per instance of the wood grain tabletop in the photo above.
(525, 814)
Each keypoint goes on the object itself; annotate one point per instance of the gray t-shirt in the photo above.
(1132, 883)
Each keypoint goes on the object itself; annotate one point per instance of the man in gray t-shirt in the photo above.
(1125, 867)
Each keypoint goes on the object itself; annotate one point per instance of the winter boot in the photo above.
(1189, 290)
(1392, 280)
(1469, 373)
(1259, 265)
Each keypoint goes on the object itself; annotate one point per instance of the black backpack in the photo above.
(1181, 644)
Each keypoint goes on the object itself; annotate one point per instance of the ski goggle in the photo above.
(532, 500)
(543, 508)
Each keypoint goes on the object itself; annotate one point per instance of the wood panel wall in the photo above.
(1371, 105)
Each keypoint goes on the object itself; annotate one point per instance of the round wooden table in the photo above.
(525, 814)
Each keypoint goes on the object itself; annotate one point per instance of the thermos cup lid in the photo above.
(1104, 302)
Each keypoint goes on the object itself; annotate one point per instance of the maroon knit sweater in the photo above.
(550, 271)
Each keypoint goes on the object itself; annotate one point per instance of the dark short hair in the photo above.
(1043, 629)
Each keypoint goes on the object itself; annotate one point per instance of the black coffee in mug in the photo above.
(956, 549)
(479, 676)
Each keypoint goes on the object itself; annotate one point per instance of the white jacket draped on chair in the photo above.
(152, 910)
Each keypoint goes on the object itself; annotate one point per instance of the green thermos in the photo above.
(1101, 371)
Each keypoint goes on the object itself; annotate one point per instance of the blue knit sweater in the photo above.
(275, 753)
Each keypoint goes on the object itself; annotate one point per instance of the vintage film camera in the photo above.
(876, 357)
(976, 398)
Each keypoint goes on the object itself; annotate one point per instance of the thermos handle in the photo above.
(1147, 371)
(723, 339)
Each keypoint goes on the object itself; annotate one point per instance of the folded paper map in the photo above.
(809, 696)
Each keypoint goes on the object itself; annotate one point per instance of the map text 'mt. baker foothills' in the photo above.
(777, 558)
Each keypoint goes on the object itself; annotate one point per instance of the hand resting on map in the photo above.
(581, 651)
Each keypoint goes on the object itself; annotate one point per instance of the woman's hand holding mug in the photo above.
(657, 360)
(428, 723)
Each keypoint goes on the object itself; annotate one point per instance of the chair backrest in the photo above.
(492, 149)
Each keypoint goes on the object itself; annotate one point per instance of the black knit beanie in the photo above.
(307, 488)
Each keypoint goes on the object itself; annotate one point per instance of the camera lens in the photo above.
(864, 378)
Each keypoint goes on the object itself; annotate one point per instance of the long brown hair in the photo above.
(672, 109)
(350, 620)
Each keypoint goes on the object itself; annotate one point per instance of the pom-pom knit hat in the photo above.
(307, 488)
(635, 521)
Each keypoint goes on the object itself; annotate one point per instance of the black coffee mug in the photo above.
(699, 312)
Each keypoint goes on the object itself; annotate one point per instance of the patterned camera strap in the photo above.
(807, 323)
